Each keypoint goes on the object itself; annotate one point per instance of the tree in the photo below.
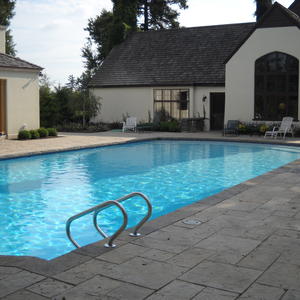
(99, 30)
(49, 113)
(124, 20)
(7, 8)
(111, 28)
(68, 104)
(160, 14)
(261, 7)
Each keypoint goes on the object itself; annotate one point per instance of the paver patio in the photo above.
(246, 245)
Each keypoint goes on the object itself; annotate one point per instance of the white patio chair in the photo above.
(130, 124)
(285, 127)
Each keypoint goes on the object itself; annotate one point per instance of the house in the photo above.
(19, 93)
(245, 72)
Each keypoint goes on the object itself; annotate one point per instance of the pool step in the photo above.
(100, 207)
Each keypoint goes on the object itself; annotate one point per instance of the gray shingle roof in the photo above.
(7, 61)
(295, 7)
(185, 56)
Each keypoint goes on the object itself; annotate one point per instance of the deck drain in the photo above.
(191, 222)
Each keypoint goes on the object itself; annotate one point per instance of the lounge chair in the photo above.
(130, 124)
(232, 127)
(285, 127)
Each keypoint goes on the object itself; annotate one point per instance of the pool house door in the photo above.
(2, 106)
(217, 109)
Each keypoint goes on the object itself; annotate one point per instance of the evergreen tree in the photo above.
(64, 105)
(159, 14)
(99, 30)
(124, 20)
(261, 7)
(6, 13)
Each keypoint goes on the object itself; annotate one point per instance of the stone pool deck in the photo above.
(246, 244)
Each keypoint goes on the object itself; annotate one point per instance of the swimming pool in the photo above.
(39, 193)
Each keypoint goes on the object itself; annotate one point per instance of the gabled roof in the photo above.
(276, 16)
(295, 7)
(7, 61)
(185, 56)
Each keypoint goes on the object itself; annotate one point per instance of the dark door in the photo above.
(217, 108)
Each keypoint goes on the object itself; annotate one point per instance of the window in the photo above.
(174, 101)
(276, 87)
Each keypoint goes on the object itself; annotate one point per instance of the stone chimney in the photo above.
(2, 39)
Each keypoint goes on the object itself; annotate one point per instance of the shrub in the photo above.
(297, 132)
(34, 134)
(92, 127)
(24, 135)
(43, 132)
(263, 128)
(115, 125)
(52, 131)
(172, 126)
(242, 128)
(145, 126)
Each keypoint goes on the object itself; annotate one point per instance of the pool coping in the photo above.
(289, 143)
(85, 253)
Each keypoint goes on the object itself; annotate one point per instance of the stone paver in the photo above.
(177, 290)
(49, 287)
(100, 287)
(157, 255)
(245, 246)
(82, 272)
(144, 272)
(221, 276)
(229, 249)
(191, 257)
(283, 275)
(24, 295)
(7, 271)
(123, 253)
(175, 239)
(260, 259)
(262, 292)
(14, 282)
(291, 295)
(214, 294)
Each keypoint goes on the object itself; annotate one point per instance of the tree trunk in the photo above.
(146, 16)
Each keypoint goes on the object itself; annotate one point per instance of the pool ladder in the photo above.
(98, 208)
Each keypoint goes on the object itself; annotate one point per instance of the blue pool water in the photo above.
(39, 193)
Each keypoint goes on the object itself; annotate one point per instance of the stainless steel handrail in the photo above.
(140, 224)
(97, 209)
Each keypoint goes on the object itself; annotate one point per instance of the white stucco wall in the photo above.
(137, 101)
(239, 103)
(22, 100)
(116, 102)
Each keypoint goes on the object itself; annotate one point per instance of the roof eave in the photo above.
(37, 69)
(164, 84)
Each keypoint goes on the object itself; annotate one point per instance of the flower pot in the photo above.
(206, 125)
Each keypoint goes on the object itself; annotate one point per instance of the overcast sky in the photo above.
(50, 33)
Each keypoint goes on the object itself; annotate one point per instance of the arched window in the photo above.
(276, 87)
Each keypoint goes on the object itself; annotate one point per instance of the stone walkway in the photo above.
(245, 245)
